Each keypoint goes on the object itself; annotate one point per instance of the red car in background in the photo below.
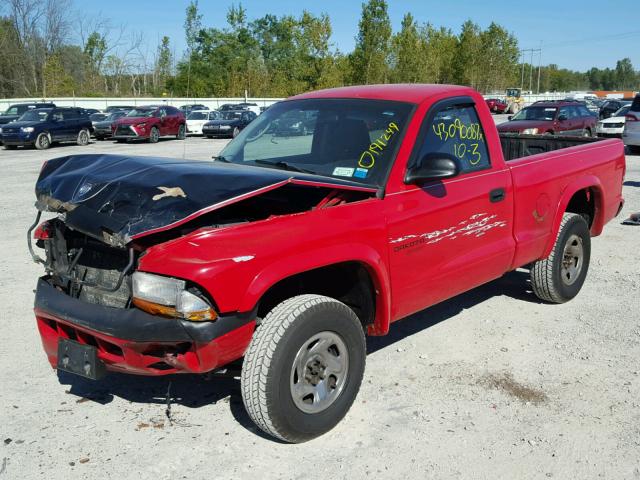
(496, 105)
(552, 117)
(150, 123)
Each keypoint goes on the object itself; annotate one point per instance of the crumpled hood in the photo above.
(117, 198)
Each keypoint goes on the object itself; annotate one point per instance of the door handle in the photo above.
(497, 195)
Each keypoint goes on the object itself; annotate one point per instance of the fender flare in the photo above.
(324, 257)
(582, 183)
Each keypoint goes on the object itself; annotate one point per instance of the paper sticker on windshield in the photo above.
(361, 173)
(343, 171)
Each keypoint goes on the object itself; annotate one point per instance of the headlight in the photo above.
(27, 129)
(167, 297)
(225, 127)
(530, 131)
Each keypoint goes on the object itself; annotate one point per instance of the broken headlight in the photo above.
(169, 297)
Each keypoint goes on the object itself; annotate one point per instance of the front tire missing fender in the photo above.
(559, 278)
(303, 368)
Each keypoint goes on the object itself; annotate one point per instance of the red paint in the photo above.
(452, 242)
(167, 124)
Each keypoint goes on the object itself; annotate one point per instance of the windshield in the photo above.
(352, 139)
(141, 112)
(623, 111)
(97, 117)
(11, 111)
(34, 116)
(230, 115)
(536, 113)
(115, 115)
(198, 116)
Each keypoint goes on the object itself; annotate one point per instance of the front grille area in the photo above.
(613, 125)
(10, 130)
(125, 131)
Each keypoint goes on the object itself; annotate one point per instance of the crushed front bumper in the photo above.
(132, 341)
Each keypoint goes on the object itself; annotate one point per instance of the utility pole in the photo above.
(531, 51)
(539, 65)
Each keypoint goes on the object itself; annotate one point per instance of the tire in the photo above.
(274, 394)
(181, 133)
(235, 133)
(586, 132)
(42, 141)
(154, 135)
(10, 147)
(83, 137)
(552, 279)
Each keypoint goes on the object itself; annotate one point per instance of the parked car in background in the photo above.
(42, 127)
(496, 105)
(614, 125)
(187, 109)
(562, 117)
(90, 111)
(230, 124)
(150, 123)
(97, 117)
(104, 128)
(15, 111)
(631, 133)
(226, 107)
(612, 106)
(253, 107)
(197, 119)
(114, 108)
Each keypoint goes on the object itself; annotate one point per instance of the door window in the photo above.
(58, 116)
(564, 112)
(456, 132)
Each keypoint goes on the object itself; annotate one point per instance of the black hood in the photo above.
(116, 198)
(23, 124)
(231, 122)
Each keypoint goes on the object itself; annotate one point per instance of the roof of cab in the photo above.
(402, 92)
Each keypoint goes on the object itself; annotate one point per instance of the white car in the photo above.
(631, 134)
(614, 125)
(197, 118)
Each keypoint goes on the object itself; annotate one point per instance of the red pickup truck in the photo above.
(286, 251)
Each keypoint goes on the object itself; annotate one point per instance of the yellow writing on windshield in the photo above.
(459, 131)
(368, 157)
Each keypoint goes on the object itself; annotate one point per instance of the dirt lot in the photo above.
(491, 384)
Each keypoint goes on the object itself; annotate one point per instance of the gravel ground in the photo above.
(491, 384)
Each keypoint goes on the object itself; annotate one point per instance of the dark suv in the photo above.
(43, 126)
(552, 118)
(15, 111)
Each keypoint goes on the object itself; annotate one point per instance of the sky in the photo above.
(575, 34)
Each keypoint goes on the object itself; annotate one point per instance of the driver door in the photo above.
(448, 236)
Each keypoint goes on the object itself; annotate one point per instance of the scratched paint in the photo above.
(475, 226)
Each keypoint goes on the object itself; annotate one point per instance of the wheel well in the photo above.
(583, 203)
(348, 282)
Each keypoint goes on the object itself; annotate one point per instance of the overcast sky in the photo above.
(574, 34)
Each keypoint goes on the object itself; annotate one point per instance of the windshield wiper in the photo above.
(219, 158)
(284, 166)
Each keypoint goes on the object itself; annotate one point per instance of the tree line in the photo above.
(46, 52)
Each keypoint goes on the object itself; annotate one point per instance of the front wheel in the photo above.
(83, 137)
(235, 133)
(154, 135)
(559, 277)
(42, 141)
(303, 368)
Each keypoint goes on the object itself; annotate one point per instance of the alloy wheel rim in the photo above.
(44, 141)
(319, 372)
(572, 259)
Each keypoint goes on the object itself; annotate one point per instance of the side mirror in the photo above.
(510, 117)
(433, 166)
(562, 118)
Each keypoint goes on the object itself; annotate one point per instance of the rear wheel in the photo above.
(83, 137)
(42, 141)
(181, 133)
(586, 132)
(560, 277)
(154, 135)
(303, 368)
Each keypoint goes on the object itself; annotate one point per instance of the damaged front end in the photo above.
(93, 299)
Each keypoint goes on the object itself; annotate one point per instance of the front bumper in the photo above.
(17, 139)
(631, 138)
(132, 341)
(217, 132)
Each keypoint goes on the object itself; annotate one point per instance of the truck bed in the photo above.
(515, 145)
